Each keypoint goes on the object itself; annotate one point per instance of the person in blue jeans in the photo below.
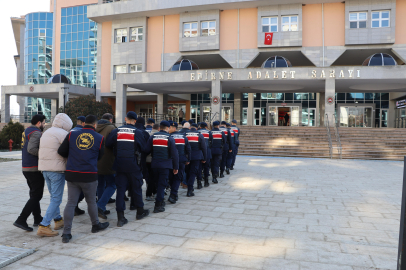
(53, 168)
(105, 174)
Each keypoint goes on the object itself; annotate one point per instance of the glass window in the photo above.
(208, 28)
(289, 23)
(121, 35)
(358, 20)
(136, 34)
(119, 69)
(269, 24)
(380, 19)
(190, 29)
(136, 68)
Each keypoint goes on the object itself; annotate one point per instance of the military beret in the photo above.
(203, 124)
(223, 122)
(165, 123)
(170, 122)
(216, 123)
(132, 115)
(183, 122)
(151, 120)
(174, 124)
(234, 121)
(228, 125)
(82, 118)
(191, 121)
(194, 125)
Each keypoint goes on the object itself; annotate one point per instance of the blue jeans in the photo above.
(55, 183)
(109, 181)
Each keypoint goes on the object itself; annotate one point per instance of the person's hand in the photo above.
(230, 151)
(187, 163)
(175, 171)
(203, 161)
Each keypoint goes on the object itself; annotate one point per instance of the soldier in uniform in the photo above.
(237, 133)
(230, 155)
(128, 143)
(199, 154)
(226, 149)
(83, 148)
(205, 167)
(218, 143)
(184, 152)
(79, 123)
(150, 123)
(164, 158)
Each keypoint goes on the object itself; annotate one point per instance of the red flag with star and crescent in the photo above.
(268, 38)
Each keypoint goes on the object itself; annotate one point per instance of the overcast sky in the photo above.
(14, 8)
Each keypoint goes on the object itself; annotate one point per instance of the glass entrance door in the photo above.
(312, 118)
(206, 114)
(294, 116)
(384, 118)
(356, 116)
(226, 113)
(273, 116)
(257, 116)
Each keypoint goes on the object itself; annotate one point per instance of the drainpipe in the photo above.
(322, 26)
(238, 40)
(163, 43)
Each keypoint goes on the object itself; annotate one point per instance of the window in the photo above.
(136, 68)
(121, 35)
(209, 28)
(119, 69)
(190, 29)
(380, 19)
(136, 34)
(358, 20)
(42, 32)
(289, 23)
(270, 24)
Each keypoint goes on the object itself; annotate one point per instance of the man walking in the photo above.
(105, 173)
(53, 168)
(199, 154)
(226, 149)
(128, 143)
(79, 125)
(219, 142)
(237, 133)
(35, 180)
(205, 167)
(184, 152)
(164, 158)
(230, 155)
(149, 177)
(181, 114)
(150, 124)
(83, 148)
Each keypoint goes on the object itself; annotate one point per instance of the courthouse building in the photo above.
(250, 60)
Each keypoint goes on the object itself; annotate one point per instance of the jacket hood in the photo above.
(62, 121)
(102, 124)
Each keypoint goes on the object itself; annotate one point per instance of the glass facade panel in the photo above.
(78, 47)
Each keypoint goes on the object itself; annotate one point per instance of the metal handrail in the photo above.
(337, 133)
(330, 144)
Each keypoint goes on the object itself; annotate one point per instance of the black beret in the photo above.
(132, 115)
(165, 123)
(82, 118)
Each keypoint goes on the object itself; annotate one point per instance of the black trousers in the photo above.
(161, 178)
(151, 183)
(215, 164)
(36, 182)
(135, 181)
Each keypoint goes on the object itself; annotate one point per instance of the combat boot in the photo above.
(121, 220)
(79, 211)
(159, 207)
(228, 171)
(99, 227)
(190, 193)
(172, 199)
(221, 174)
(141, 213)
(206, 182)
(46, 231)
(232, 167)
(199, 184)
(215, 179)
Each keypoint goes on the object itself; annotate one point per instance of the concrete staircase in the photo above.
(357, 143)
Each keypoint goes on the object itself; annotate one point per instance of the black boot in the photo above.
(101, 213)
(66, 238)
(172, 199)
(23, 225)
(221, 174)
(79, 211)
(228, 171)
(215, 179)
(99, 227)
(159, 207)
(126, 198)
(141, 213)
(176, 198)
(111, 200)
(37, 221)
(121, 220)
(232, 167)
(199, 184)
(206, 182)
(190, 193)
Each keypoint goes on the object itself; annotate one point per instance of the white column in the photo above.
(54, 107)
(238, 107)
(250, 110)
(216, 93)
(162, 104)
(330, 92)
(5, 107)
(121, 104)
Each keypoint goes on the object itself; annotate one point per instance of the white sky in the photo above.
(14, 8)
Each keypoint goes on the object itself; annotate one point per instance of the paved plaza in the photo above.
(271, 213)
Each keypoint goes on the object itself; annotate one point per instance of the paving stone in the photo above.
(187, 254)
(247, 262)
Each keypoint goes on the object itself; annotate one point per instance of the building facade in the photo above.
(253, 61)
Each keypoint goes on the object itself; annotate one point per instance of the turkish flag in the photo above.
(268, 38)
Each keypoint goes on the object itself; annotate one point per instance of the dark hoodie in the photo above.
(105, 164)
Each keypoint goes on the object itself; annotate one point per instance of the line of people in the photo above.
(98, 159)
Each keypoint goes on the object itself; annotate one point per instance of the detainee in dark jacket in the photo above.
(83, 148)
(128, 143)
(164, 158)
